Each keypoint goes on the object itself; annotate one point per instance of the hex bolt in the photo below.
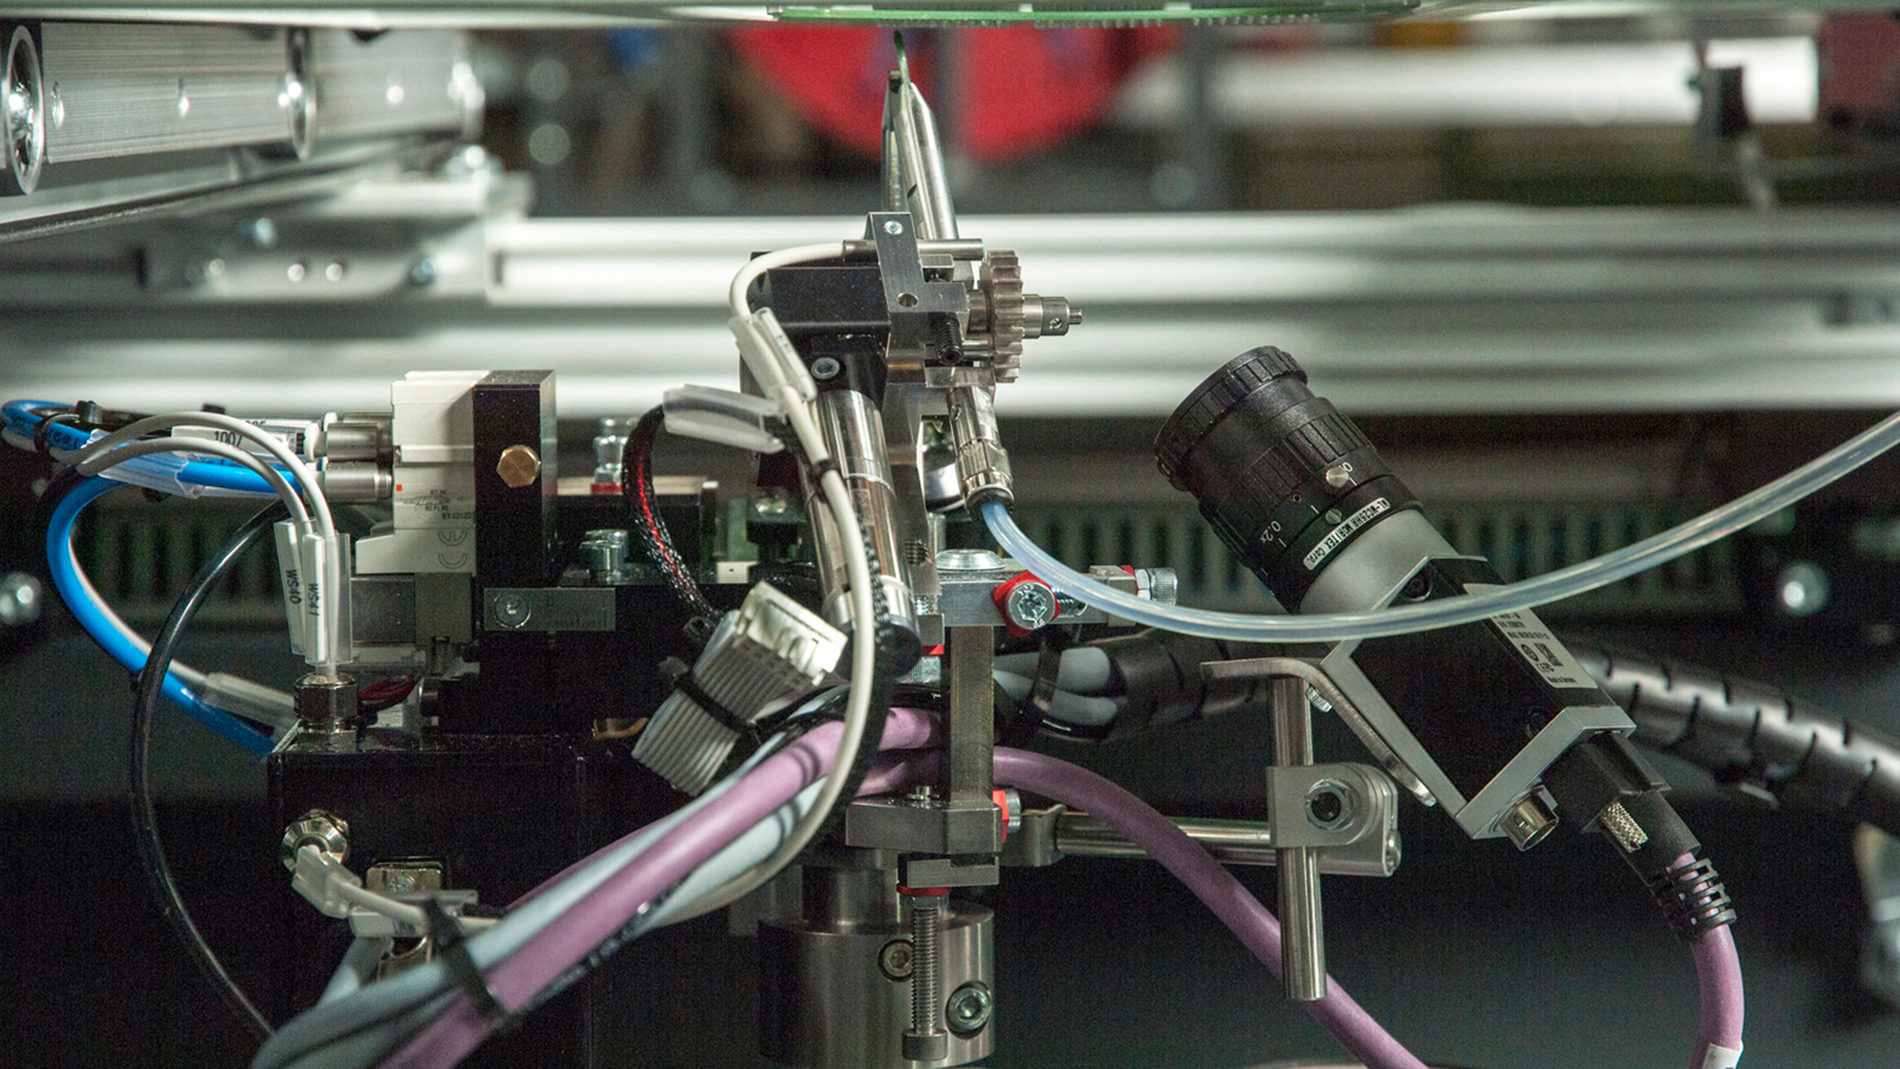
(969, 1008)
(925, 1040)
(518, 466)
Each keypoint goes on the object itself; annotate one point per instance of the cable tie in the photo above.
(452, 948)
(1034, 707)
(690, 687)
(819, 468)
(41, 444)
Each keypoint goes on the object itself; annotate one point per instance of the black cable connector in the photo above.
(1603, 785)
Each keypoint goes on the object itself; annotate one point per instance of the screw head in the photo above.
(1334, 516)
(892, 226)
(1031, 605)
(424, 272)
(969, 1008)
(1339, 475)
(825, 367)
(896, 960)
(518, 466)
(512, 610)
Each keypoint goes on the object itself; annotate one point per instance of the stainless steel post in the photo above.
(1302, 938)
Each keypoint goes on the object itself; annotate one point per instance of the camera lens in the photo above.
(1285, 480)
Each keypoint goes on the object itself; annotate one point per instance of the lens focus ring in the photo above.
(1276, 469)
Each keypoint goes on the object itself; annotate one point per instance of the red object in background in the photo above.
(1020, 89)
(1860, 66)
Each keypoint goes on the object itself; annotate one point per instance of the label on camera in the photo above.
(1338, 535)
(1539, 647)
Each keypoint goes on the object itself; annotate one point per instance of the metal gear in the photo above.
(1002, 281)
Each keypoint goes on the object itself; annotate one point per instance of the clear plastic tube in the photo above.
(1451, 612)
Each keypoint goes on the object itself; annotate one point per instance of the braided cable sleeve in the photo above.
(1754, 736)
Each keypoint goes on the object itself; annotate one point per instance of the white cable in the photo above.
(784, 388)
(91, 462)
(764, 262)
(277, 702)
(318, 513)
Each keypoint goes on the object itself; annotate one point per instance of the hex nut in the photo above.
(328, 833)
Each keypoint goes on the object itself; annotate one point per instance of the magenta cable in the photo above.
(605, 910)
(1232, 903)
(1718, 973)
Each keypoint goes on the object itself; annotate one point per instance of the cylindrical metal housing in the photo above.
(854, 433)
(982, 462)
(354, 437)
(357, 480)
(825, 1000)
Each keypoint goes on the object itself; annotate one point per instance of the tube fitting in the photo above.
(982, 462)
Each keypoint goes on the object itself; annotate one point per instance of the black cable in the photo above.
(1752, 736)
(144, 808)
(636, 487)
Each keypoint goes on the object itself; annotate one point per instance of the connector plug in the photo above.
(318, 877)
(1604, 785)
(767, 653)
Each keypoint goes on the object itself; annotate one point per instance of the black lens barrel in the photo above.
(1283, 477)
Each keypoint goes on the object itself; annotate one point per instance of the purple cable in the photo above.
(605, 910)
(1213, 885)
(1718, 973)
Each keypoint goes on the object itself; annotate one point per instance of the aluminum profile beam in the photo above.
(126, 89)
(122, 89)
(1454, 310)
(411, 81)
